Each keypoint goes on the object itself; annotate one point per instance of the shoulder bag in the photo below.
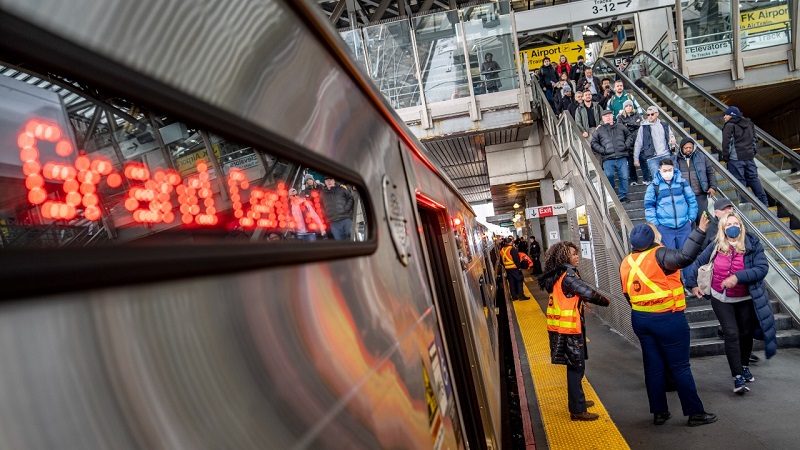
(705, 272)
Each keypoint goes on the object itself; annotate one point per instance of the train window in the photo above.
(79, 167)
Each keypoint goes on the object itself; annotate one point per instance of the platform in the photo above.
(764, 418)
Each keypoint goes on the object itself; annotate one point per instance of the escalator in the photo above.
(689, 113)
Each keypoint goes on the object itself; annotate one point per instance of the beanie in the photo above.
(642, 237)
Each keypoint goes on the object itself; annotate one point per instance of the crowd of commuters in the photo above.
(678, 249)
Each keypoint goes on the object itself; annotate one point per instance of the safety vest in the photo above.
(649, 288)
(508, 261)
(563, 314)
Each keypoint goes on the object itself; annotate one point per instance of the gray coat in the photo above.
(582, 120)
(697, 167)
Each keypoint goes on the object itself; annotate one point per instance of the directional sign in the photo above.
(569, 49)
(764, 19)
(587, 11)
(537, 212)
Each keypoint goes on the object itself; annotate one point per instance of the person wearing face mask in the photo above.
(698, 172)
(652, 285)
(670, 205)
(738, 295)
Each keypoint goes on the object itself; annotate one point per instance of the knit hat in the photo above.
(308, 175)
(566, 88)
(733, 111)
(642, 237)
(627, 103)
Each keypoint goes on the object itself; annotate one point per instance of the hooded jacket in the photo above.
(670, 205)
(755, 270)
(612, 141)
(570, 349)
(548, 76)
(695, 167)
(337, 202)
(738, 138)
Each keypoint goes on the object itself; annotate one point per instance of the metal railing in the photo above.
(740, 190)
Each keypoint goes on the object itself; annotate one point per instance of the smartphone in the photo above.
(705, 214)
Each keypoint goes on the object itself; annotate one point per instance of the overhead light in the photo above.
(516, 205)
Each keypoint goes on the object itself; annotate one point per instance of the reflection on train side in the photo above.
(126, 179)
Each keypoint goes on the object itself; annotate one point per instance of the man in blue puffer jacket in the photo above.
(670, 205)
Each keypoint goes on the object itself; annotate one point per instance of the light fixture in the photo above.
(516, 205)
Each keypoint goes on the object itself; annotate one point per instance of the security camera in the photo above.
(560, 185)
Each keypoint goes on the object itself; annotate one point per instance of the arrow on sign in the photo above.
(628, 3)
(579, 47)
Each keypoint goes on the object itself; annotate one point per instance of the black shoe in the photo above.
(704, 418)
(524, 298)
(754, 359)
(661, 418)
(720, 333)
(625, 200)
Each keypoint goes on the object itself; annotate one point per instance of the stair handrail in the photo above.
(763, 135)
(719, 168)
(553, 125)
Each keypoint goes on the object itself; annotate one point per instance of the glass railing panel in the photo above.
(440, 52)
(356, 45)
(392, 66)
(490, 47)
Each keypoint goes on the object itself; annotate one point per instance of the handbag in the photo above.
(704, 273)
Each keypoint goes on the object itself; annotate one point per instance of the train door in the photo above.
(434, 230)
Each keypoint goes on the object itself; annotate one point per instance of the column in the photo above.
(552, 234)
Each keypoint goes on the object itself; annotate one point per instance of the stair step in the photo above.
(714, 346)
(708, 328)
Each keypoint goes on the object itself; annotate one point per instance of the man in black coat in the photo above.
(610, 143)
(548, 78)
(337, 201)
(739, 150)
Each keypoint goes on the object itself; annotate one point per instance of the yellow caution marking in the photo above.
(550, 382)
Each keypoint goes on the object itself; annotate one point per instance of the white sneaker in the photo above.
(646, 183)
(633, 183)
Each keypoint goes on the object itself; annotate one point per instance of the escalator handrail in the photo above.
(540, 100)
(719, 168)
(763, 135)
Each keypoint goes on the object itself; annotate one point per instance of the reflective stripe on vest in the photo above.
(649, 288)
(563, 315)
(508, 261)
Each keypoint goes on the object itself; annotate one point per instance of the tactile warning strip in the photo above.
(550, 382)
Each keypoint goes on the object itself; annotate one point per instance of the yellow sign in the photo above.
(765, 19)
(188, 164)
(569, 49)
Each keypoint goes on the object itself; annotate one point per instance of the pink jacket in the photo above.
(725, 266)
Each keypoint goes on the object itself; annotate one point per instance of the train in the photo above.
(170, 278)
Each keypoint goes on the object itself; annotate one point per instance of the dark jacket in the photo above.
(738, 135)
(570, 349)
(755, 269)
(711, 232)
(632, 123)
(577, 71)
(670, 260)
(612, 141)
(337, 202)
(582, 116)
(566, 104)
(535, 249)
(582, 81)
(548, 76)
(696, 167)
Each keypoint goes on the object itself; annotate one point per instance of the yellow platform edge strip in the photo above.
(550, 383)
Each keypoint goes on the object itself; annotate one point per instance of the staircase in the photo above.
(703, 323)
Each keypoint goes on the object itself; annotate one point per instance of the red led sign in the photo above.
(150, 196)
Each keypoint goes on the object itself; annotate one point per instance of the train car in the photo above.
(215, 233)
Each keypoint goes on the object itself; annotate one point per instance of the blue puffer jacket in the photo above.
(755, 269)
(669, 204)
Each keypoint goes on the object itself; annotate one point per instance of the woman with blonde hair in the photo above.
(738, 295)
(565, 322)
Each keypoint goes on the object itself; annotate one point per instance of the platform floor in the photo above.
(768, 417)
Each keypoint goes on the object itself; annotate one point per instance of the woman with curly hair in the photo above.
(565, 323)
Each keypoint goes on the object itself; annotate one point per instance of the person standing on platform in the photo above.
(632, 121)
(513, 266)
(696, 169)
(535, 252)
(651, 282)
(491, 73)
(565, 322)
(337, 202)
(738, 295)
(610, 143)
(587, 115)
(739, 150)
(654, 140)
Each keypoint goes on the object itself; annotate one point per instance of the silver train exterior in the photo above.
(372, 344)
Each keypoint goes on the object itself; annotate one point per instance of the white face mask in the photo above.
(667, 176)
